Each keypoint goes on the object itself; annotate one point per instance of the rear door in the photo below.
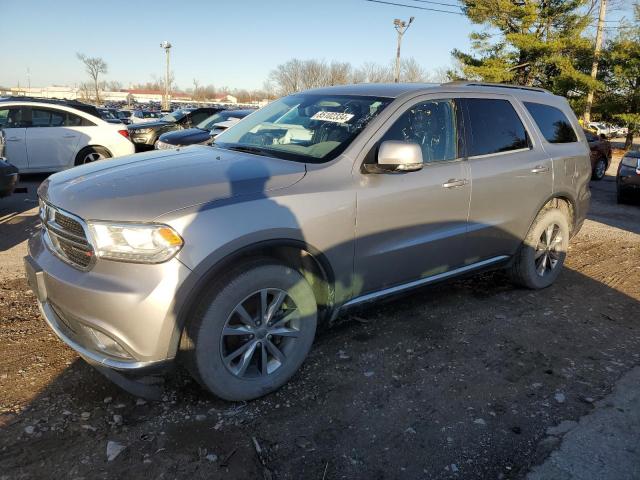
(51, 144)
(510, 173)
(14, 126)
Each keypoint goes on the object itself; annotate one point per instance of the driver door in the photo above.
(413, 225)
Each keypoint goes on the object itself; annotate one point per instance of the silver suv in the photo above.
(229, 257)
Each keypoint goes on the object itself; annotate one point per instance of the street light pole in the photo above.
(166, 104)
(401, 27)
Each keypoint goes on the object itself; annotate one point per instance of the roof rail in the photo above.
(468, 83)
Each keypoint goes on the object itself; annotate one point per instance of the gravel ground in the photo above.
(461, 380)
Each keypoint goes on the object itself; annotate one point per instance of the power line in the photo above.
(438, 3)
(414, 6)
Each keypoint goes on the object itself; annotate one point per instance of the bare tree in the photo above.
(94, 66)
(339, 73)
(411, 71)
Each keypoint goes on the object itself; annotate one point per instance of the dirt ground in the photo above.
(461, 380)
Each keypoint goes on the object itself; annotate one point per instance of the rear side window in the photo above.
(552, 122)
(78, 121)
(47, 118)
(493, 127)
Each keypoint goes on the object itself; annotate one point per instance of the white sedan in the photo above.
(48, 137)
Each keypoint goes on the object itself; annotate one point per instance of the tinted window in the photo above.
(433, 126)
(78, 121)
(4, 116)
(553, 124)
(47, 118)
(494, 126)
(199, 117)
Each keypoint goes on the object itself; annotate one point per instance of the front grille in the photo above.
(66, 236)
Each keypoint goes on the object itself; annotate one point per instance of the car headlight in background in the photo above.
(136, 243)
(164, 146)
(632, 162)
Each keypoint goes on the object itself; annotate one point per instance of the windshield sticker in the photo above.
(336, 117)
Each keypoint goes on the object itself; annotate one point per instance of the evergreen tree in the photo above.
(530, 42)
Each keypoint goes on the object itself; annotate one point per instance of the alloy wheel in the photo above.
(600, 168)
(548, 251)
(259, 335)
(92, 157)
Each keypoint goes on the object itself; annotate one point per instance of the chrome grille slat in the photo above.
(66, 236)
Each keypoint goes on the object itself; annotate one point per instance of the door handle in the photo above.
(455, 182)
(13, 139)
(539, 169)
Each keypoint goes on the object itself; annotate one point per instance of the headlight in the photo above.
(136, 243)
(165, 146)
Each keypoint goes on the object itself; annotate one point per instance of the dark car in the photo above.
(628, 177)
(108, 115)
(124, 115)
(203, 132)
(145, 135)
(8, 172)
(600, 154)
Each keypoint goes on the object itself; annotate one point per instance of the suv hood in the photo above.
(149, 124)
(142, 187)
(186, 137)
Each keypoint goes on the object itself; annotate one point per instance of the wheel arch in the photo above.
(563, 201)
(297, 254)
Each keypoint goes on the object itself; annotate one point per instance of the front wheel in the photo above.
(539, 259)
(252, 332)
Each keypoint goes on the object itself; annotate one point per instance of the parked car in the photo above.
(228, 257)
(628, 177)
(108, 116)
(204, 131)
(8, 172)
(143, 116)
(600, 128)
(124, 116)
(145, 135)
(47, 137)
(600, 154)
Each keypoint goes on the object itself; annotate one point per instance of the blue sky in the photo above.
(225, 43)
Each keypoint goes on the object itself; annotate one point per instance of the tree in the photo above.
(94, 66)
(534, 43)
(411, 71)
(622, 65)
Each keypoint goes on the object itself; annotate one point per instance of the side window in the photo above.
(432, 125)
(494, 127)
(552, 122)
(74, 120)
(198, 117)
(18, 118)
(40, 118)
(4, 117)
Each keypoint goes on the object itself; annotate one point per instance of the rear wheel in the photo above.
(252, 332)
(599, 169)
(539, 259)
(91, 154)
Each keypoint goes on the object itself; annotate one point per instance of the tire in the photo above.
(527, 269)
(233, 307)
(599, 170)
(91, 154)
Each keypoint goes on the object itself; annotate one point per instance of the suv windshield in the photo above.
(304, 127)
(209, 122)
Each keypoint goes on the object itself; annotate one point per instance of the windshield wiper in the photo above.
(249, 149)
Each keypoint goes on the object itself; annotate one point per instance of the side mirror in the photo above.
(397, 156)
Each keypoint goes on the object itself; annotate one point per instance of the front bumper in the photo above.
(130, 304)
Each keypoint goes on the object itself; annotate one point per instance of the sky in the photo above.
(225, 43)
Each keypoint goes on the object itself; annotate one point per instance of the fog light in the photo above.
(105, 343)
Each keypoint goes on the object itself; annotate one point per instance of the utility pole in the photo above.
(596, 59)
(166, 99)
(401, 27)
